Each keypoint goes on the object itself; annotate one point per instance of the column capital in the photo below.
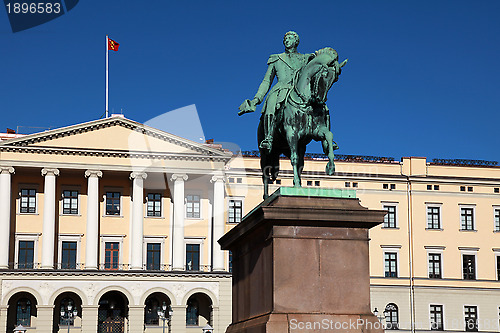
(50, 172)
(6, 169)
(217, 178)
(137, 174)
(179, 177)
(93, 173)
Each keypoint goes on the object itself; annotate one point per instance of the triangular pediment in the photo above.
(115, 135)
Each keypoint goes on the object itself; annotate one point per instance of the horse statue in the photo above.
(303, 117)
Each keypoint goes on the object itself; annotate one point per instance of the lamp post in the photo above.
(68, 313)
(207, 329)
(164, 315)
(384, 317)
(20, 329)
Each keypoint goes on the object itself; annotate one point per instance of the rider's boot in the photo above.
(266, 144)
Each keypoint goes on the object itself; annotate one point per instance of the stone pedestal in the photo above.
(300, 262)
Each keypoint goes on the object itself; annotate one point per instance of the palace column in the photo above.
(137, 229)
(49, 217)
(178, 236)
(218, 218)
(5, 204)
(92, 232)
(178, 319)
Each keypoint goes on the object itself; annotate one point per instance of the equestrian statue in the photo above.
(294, 111)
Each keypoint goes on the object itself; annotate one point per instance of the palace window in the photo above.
(231, 261)
(498, 269)
(470, 318)
(193, 257)
(192, 312)
(436, 312)
(467, 218)
(111, 255)
(497, 219)
(434, 265)
(390, 217)
(433, 218)
(391, 264)
(26, 254)
(235, 211)
(153, 253)
(112, 203)
(70, 202)
(23, 312)
(28, 201)
(68, 255)
(469, 266)
(154, 204)
(392, 316)
(193, 206)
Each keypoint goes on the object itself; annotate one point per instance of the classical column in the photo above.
(44, 318)
(136, 318)
(3, 317)
(137, 229)
(219, 223)
(49, 217)
(178, 236)
(92, 233)
(5, 204)
(89, 318)
(178, 320)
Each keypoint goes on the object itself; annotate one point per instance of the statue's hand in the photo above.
(246, 107)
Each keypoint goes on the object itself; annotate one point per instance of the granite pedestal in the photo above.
(300, 263)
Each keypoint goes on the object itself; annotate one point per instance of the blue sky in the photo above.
(422, 77)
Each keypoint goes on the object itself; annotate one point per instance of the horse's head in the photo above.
(317, 77)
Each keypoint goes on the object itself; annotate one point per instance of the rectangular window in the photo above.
(434, 265)
(193, 257)
(193, 206)
(154, 204)
(469, 266)
(470, 318)
(391, 264)
(467, 218)
(112, 203)
(153, 256)
(70, 202)
(230, 261)
(28, 201)
(433, 221)
(498, 271)
(26, 254)
(390, 217)
(111, 255)
(235, 211)
(437, 317)
(497, 219)
(68, 255)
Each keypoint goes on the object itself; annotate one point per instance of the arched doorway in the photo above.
(22, 311)
(198, 310)
(112, 313)
(68, 302)
(154, 303)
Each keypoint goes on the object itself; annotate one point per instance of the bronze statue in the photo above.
(294, 112)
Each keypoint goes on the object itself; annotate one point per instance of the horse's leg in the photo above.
(292, 139)
(300, 165)
(265, 181)
(328, 148)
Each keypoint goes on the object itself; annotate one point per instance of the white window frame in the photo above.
(469, 251)
(396, 212)
(112, 189)
(430, 319)
(69, 238)
(496, 252)
(434, 205)
(198, 193)
(21, 236)
(154, 239)
(162, 205)
(474, 221)
(391, 249)
(495, 207)
(61, 202)
(435, 250)
(36, 187)
(477, 316)
(194, 240)
(111, 239)
(242, 199)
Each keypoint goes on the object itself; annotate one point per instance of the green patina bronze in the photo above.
(294, 111)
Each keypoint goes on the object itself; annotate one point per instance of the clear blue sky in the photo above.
(422, 78)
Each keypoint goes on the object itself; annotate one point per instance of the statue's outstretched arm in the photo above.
(250, 105)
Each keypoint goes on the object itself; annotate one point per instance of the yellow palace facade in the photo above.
(112, 226)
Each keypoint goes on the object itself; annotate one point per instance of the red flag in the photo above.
(112, 45)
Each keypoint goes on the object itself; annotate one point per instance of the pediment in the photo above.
(114, 135)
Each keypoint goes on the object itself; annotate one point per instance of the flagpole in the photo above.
(107, 75)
